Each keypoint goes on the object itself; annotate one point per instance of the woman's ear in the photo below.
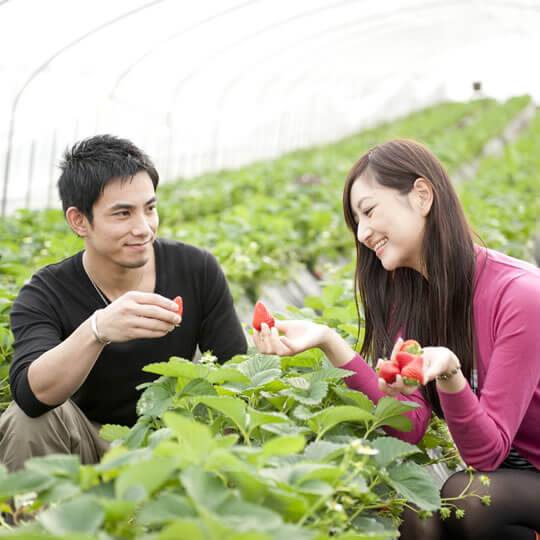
(423, 194)
(77, 221)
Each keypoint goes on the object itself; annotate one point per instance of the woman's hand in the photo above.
(397, 387)
(296, 337)
(437, 361)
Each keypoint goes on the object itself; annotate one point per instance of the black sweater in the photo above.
(59, 297)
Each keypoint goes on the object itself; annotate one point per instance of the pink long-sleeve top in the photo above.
(506, 410)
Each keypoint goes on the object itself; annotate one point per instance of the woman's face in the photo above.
(389, 223)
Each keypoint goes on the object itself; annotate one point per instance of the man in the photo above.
(85, 327)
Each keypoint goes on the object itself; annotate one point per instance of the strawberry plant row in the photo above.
(503, 200)
(276, 446)
(265, 236)
(211, 193)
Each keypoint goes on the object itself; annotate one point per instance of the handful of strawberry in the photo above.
(408, 364)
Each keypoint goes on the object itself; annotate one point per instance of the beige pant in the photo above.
(63, 430)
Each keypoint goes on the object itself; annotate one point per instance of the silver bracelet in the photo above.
(448, 375)
(93, 321)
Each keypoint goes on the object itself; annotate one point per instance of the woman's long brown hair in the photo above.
(437, 311)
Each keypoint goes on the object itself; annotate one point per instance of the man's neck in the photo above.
(115, 280)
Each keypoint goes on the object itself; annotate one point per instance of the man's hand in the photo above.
(137, 315)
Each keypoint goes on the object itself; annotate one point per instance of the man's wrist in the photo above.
(93, 322)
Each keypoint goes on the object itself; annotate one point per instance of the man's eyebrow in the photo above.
(129, 206)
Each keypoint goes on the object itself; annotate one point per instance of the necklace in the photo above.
(98, 290)
(101, 295)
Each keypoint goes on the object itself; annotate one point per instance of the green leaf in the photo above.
(155, 400)
(137, 434)
(309, 359)
(60, 491)
(227, 374)
(257, 418)
(330, 417)
(231, 407)
(297, 474)
(172, 368)
(289, 503)
(112, 432)
(325, 374)
(261, 369)
(151, 475)
(353, 397)
(314, 302)
(331, 294)
(205, 488)
(198, 387)
(416, 485)
(183, 529)
(313, 396)
(322, 450)
(194, 436)
(245, 516)
(166, 508)
(351, 329)
(62, 465)
(371, 529)
(79, 516)
(160, 435)
(116, 511)
(280, 446)
(391, 449)
(118, 457)
(23, 481)
(389, 412)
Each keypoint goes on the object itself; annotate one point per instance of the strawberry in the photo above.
(180, 304)
(388, 371)
(411, 346)
(413, 373)
(261, 315)
(404, 358)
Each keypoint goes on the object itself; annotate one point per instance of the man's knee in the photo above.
(22, 436)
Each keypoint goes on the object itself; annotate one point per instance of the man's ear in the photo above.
(77, 221)
(423, 194)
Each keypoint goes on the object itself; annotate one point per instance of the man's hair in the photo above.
(92, 163)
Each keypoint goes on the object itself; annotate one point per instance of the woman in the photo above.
(476, 311)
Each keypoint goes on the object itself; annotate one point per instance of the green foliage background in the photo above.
(276, 446)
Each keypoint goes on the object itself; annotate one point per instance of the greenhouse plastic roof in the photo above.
(212, 84)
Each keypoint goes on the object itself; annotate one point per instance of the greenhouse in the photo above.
(269, 270)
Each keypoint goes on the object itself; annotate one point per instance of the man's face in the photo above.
(125, 222)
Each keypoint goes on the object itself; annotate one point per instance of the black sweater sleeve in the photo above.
(220, 331)
(36, 330)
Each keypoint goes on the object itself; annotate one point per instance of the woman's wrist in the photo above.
(336, 349)
(452, 380)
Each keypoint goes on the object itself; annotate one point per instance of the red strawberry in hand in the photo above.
(261, 315)
(180, 304)
(404, 359)
(413, 373)
(411, 346)
(388, 371)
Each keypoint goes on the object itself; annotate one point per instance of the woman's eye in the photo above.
(368, 211)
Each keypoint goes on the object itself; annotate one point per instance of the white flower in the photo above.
(336, 507)
(208, 358)
(361, 448)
